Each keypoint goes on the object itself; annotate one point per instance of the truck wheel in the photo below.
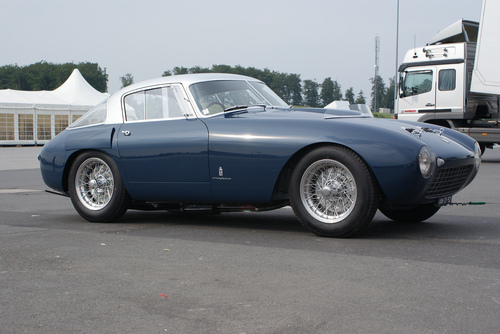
(413, 215)
(333, 192)
(96, 188)
(483, 148)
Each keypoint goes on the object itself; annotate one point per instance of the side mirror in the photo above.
(401, 85)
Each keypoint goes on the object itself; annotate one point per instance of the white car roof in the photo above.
(185, 79)
(114, 101)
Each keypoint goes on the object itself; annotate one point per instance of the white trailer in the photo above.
(454, 81)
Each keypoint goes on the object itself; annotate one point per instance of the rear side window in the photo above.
(156, 104)
(447, 79)
(96, 115)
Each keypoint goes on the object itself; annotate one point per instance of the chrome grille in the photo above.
(448, 181)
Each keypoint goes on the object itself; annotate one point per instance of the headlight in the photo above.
(477, 155)
(426, 161)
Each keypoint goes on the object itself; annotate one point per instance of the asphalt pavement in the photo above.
(154, 272)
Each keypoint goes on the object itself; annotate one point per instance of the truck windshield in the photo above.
(417, 83)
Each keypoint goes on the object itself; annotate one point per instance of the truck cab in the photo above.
(435, 86)
(429, 90)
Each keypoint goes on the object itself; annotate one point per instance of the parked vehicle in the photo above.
(222, 142)
(454, 81)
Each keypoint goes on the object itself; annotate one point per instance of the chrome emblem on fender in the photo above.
(221, 176)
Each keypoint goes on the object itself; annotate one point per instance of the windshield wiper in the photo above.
(244, 107)
(235, 108)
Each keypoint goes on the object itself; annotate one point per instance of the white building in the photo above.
(35, 117)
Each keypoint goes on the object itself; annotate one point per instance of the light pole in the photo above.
(396, 86)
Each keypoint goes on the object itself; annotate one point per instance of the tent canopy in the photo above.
(75, 91)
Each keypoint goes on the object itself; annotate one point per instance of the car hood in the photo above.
(446, 143)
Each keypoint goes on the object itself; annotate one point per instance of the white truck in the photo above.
(454, 81)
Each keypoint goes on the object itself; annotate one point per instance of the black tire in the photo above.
(96, 188)
(413, 215)
(483, 148)
(333, 192)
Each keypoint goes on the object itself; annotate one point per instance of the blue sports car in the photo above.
(223, 142)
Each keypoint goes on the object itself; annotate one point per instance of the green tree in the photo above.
(327, 91)
(378, 93)
(311, 96)
(287, 86)
(180, 70)
(10, 77)
(280, 82)
(198, 69)
(349, 95)
(337, 92)
(93, 73)
(127, 80)
(49, 76)
(221, 69)
(361, 98)
(389, 95)
(294, 86)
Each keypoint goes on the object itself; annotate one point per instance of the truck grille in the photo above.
(448, 181)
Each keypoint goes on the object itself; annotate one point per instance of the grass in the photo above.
(382, 115)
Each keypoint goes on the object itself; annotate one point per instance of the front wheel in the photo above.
(96, 188)
(333, 192)
(413, 215)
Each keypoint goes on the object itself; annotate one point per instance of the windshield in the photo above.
(214, 97)
(270, 96)
(417, 83)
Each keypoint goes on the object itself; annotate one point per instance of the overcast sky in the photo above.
(313, 38)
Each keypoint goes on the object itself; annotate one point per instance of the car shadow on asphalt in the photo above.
(444, 227)
(439, 227)
(284, 220)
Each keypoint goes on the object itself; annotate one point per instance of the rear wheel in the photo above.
(333, 192)
(413, 215)
(96, 188)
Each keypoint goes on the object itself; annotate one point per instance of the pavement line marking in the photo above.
(16, 191)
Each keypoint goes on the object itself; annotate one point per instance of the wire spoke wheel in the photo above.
(96, 187)
(94, 184)
(333, 192)
(328, 191)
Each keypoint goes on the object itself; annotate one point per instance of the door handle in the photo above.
(430, 105)
(126, 132)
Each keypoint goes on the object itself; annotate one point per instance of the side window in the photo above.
(160, 103)
(154, 109)
(171, 106)
(417, 83)
(135, 106)
(447, 79)
(96, 115)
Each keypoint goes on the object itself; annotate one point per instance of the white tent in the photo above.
(34, 117)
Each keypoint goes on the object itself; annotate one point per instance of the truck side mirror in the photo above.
(401, 85)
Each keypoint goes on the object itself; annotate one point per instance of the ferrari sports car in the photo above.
(220, 142)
